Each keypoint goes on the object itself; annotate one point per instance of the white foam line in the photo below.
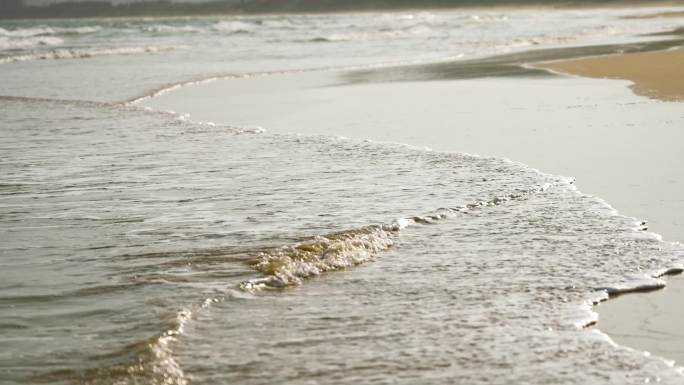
(83, 53)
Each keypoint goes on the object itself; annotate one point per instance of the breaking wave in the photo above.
(46, 31)
(234, 27)
(290, 265)
(83, 53)
(164, 28)
(7, 43)
(149, 361)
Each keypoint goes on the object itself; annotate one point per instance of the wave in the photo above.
(83, 53)
(329, 39)
(45, 31)
(149, 361)
(290, 265)
(7, 43)
(164, 28)
(234, 27)
(278, 23)
(382, 33)
(78, 30)
(286, 266)
(184, 117)
(642, 282)
(27, 32)
(224, 26)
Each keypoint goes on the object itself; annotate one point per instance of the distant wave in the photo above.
(23, 38)
(234, 27)
(224, 26)
(82, 53)
(164, 28)
(329, 39)
(29, 42)
(46, 31)
(27, 32)
(371, 35)
(227, 26)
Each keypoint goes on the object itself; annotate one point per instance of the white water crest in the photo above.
(78, 53)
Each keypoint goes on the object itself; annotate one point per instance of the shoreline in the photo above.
(574, 109)
(648, 319)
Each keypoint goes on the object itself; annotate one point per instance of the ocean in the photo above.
(143, 247)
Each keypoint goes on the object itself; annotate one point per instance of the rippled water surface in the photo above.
(140, 247)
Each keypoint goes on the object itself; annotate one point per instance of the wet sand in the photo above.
(649, 322)
(620, 146)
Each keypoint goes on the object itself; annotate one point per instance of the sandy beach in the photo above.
(620, 146)
(654, 74)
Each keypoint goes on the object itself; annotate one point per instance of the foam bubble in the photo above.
(290, 264)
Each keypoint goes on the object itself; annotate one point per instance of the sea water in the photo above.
(141, 247)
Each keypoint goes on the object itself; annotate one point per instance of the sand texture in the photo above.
(657, 75)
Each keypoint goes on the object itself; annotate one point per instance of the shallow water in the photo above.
(140, 247)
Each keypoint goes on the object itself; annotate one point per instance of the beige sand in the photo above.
(621, 147)
(654, 74)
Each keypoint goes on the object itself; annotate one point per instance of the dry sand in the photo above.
(622, 147)
(654, 74)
